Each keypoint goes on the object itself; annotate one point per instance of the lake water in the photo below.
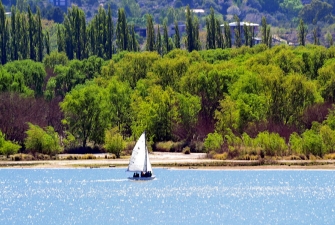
(105, 196)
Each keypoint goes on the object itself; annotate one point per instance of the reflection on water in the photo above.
(105, 196)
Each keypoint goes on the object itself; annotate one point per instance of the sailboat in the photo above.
(139, 162)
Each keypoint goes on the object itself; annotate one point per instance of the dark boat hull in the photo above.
(141, 178)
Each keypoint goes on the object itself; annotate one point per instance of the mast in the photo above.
(146, 154)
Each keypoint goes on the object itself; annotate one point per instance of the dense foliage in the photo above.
(246, 102)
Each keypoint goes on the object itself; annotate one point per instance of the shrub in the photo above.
(222, 156)
(271, 143)
(197, 146)
(24, 157)
(7, 147)
(42, 141)
(88, 156)
(114, 142)
(187, 150)
(164, 146)
(329, 156)
(111, 156)
(213, 142)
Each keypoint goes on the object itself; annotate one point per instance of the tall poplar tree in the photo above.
(47, 42)
(227, 35)
(237, 32)
(211, 30)
(122, 31)
(3, 35)
(133, 43)
(176, 35)
(39, 36)
(24, 41)
(189, 30)
(302, 32)
(150, 46)
(60, 38)
(266, 33)
(110, 34)
(159, 41)
(166, 40)
(192, 31)
(13, 36)
(218, 35)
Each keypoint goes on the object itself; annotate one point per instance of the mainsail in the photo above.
(139, 161)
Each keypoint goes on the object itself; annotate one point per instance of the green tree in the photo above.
(227, 116)
(237, 32)
(150, 46)
(266, 33)
(188, 110)
(32, 35)
(86, 113)
(192, 31)
(55, 58)
(291, 7)
(159, 42)
(33, 73)
(4, 35)
(211, 30)
(167, 45)
(122, 31)
(176, 35)
(110, 34)
(227, 35)
(39, 36)
(302, 32)
(119, 100)
(47, 42)
(316, 40)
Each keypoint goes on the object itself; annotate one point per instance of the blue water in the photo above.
(105, 196)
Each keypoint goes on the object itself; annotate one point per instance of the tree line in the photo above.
(241, 102)
(24, 38)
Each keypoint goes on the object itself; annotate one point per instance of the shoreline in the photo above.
(176, 161)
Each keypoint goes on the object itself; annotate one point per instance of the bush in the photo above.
(197, 146)
(42, 141)
(329, 156)
(7, 147)
(22, 157)
(40, 156)
(222, 156)
(111, 156)
(88, 156)
(271, 143)
(187, 150)
(114, 142)
(164, 146)
(213, 142)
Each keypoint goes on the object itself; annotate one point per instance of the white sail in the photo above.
(148, 162)
(139, 161)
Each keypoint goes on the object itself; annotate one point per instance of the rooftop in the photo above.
(234, 24)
